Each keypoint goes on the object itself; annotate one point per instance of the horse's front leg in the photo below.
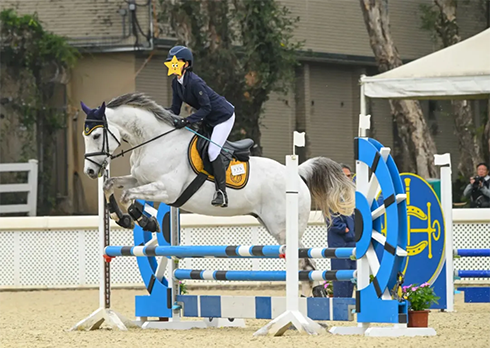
(121, 182)
(155, 192)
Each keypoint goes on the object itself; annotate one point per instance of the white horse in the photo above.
(160, 171)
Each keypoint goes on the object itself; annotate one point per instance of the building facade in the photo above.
(124, 49)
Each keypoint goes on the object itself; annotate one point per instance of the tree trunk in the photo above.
(416, 144)
(470, 148)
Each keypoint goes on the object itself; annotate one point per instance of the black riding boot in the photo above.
(220, 198)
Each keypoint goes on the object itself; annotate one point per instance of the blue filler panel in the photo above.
(317, 308)
(210, 306)
(476, 294)
(263, 307)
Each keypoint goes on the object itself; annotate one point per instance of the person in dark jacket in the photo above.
(341, 235)
(212, 109)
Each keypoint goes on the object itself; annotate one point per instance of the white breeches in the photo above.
(219, 136)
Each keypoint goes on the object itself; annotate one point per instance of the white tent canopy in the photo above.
(461, 70)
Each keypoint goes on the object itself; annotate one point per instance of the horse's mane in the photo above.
(141, 100)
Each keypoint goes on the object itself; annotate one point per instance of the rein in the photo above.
(143, 143)
(161, 135)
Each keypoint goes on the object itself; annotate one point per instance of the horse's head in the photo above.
(100, 141)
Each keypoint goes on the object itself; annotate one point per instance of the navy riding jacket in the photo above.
(211, 107)
(337, 237)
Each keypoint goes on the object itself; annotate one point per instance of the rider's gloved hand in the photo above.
(180, 123)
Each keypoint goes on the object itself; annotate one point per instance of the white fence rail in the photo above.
(30, 187)
(50, 252)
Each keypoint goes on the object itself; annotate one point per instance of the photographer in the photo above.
(479, 188)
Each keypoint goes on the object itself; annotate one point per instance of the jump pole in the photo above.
(292, 315)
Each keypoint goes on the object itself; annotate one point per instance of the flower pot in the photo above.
(418, 318)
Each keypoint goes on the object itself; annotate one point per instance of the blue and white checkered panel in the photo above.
(263, 307)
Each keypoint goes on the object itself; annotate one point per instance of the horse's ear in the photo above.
(85, 108)
(102, 109)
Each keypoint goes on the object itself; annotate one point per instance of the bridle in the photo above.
(105, 143)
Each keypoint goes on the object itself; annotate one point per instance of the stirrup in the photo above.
(220, 199)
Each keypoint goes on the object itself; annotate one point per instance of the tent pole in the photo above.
(364, 120)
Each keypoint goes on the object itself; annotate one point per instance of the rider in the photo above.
(212, 109)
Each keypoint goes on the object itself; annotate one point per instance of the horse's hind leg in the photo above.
(312, 287)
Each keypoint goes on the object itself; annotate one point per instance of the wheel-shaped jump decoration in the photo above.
(383, 255)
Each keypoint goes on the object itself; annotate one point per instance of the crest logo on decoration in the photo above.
(426, 231)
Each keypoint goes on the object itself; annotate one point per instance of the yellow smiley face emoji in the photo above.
(174, 66)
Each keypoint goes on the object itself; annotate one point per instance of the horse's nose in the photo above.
(91, 172)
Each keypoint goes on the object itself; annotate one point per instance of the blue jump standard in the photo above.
(181, 274)
(472, 252)
(473, 274)
(226, 251)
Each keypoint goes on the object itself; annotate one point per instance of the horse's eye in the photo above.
(96, 136)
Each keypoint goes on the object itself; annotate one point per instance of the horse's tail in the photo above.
(331, 190)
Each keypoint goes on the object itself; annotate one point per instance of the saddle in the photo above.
(235, 157)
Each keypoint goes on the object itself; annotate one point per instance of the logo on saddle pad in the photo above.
(236, 174)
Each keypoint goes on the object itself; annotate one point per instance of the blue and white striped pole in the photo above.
(243, 251)
(227, 251)
(197, 274)
(327, 253)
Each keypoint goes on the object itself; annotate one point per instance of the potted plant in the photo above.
(183, 287)
(419, 298)
(328, 286)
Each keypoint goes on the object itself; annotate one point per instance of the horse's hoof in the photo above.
(150, 225)
(126, 222)
(319, 291)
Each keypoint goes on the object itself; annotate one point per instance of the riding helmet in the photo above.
(181, 52)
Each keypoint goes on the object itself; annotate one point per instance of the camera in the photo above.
(477, 181)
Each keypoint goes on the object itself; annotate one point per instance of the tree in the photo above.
(34, 62)
(242, 49)
(415, 144)
(440, 18)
